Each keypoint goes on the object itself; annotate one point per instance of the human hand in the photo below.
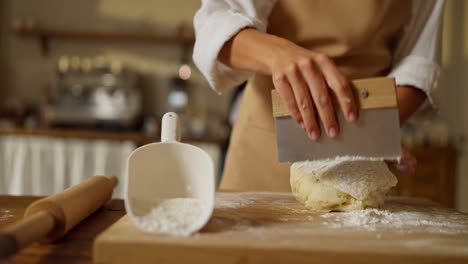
(407, 163)
(305, 80)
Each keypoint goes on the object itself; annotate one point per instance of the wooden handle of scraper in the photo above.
(369, 94)
(50, 218)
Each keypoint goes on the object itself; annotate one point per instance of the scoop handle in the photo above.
(170, 128)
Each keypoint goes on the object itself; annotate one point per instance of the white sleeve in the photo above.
(215, 23)
(417, 56)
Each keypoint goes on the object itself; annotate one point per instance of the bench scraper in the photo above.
(376, 134)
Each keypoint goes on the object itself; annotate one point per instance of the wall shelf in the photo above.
(44, 34)
(93, 134)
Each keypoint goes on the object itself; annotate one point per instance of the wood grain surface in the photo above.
(275, 228)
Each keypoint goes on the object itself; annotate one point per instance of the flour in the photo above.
(172, 216)
(311, 166)
(232, 200)
(5, 214)
(403, 221)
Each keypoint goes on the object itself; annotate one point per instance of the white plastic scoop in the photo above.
(170, 185)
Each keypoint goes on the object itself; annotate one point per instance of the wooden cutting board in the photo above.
(275, 228)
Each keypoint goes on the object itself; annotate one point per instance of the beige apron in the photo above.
(358, 35)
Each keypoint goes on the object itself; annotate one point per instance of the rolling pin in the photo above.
(50, 218)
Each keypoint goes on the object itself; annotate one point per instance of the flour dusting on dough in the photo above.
(343, 183)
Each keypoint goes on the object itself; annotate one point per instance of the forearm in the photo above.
(254, 51)
(409, 99)
(304, 79)
(251, 50)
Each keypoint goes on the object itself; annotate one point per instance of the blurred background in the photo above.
(83, 83)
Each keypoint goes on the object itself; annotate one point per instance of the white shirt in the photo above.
(416, 59)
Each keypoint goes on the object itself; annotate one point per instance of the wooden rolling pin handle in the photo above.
(75, 203)
(8, 245)
(27, 230)
(51, 217)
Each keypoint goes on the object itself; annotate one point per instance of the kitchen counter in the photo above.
(75, 247)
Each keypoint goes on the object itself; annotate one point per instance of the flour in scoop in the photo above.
(172, 216)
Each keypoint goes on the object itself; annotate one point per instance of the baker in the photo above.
(309, 50)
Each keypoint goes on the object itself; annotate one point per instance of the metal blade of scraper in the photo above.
(376, 135)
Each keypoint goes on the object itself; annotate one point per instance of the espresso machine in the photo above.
(93, 92)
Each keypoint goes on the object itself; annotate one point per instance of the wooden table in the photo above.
(75, 247)
(232, 219)
(274, 228)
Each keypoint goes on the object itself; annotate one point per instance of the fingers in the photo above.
(319, 91)
(406, 167)
(407, 164)
(340, 85)
(285, 91)
(304, 102)
(304, 83)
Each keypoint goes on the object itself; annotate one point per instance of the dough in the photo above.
(341, 184)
